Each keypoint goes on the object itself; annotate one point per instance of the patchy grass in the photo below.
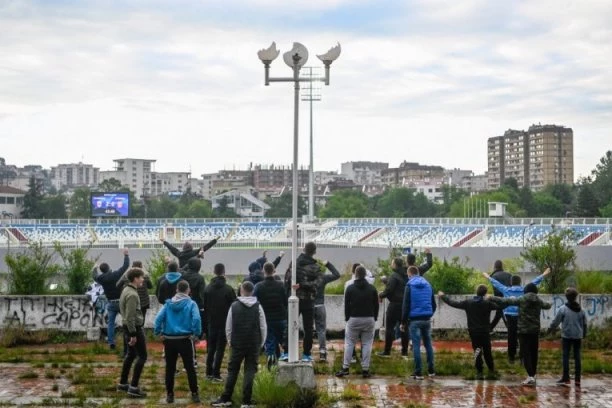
(28, 375)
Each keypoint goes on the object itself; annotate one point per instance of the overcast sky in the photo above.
(179, 81)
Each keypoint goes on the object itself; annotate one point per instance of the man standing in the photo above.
(256, 273)
(419, 305)
(218, 297)
(360, 313)
(273, 299)
(197, 284)
(129, 304)
(511, 312)
(103, 275)
(308, 277)
(505, 279)
(320, 314)
(245, 329)
(178, 321)
(411, 260)
(188, 250)
(166, 284)
(394, 291)
(478, 311)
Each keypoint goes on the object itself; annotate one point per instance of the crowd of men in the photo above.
(256, 317)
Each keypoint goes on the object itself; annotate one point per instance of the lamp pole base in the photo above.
(293, 329)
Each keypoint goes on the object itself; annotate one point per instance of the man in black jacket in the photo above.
(478, 311)
(505, 279)
(197, 284)
(103, 275)
(320, 314)
(188, 250)
(394, 291)
(360, 313)
(256, 273)
(411, 260)
(308, 277)
(218, 297)
(271, 295)
(167, 283)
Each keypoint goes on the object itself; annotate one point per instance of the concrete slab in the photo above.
(302, 374)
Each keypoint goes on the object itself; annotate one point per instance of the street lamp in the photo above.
(525, 230)
(295, 59)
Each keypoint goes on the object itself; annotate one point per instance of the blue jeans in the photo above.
(421, 329)
(275, 336)
(112, 310)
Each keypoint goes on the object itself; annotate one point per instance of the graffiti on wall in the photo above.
(49, 312)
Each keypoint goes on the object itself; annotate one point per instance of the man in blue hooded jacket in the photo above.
(178, 321)
(256, 273)
(418, 307)
(511, 312)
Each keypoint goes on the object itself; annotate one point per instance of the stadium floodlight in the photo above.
(295, 59)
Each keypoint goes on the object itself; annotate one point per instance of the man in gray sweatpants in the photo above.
(320, 314)
(360, 313)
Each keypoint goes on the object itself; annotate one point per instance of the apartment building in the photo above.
(535, 158)
(74, 175)
(551, 155)
(410, 172)
(363, 172)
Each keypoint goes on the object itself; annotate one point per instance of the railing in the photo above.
(340, 221)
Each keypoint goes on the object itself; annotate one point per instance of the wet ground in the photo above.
(17, 389)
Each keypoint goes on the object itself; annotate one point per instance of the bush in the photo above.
(337, 287)
(30, 271)
(453, 278)
(555, 253)
(156, 265)
(77, 267)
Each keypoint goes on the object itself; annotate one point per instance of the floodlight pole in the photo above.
(310, 97)
(293, 303)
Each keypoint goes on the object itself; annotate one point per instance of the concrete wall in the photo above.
(73, 313)
(237, 260)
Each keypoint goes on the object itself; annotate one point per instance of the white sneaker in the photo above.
(529, 381)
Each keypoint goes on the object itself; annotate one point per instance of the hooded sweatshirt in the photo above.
(478, 311)
(196, 281)
(179, 318)
(245, 326)
(530, 307)
(511, 291)
(218, 297)
(573, 319)
(361, 300)
(166, 286)
(394, 289)
(143, 291)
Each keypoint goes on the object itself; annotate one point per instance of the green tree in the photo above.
(346, 204)
(111, 185)
(223, 210)
(554, 252)
(31, 271)
(602, 179)
(54, 206)
(451, 195)
(526, 201)
(606, 211)
(162, 207)
(196, 209)
(76, 267)
(281, 207)
(545, 205)
(511, 182)
(33, 200)
(587, 203)
(79, 203)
